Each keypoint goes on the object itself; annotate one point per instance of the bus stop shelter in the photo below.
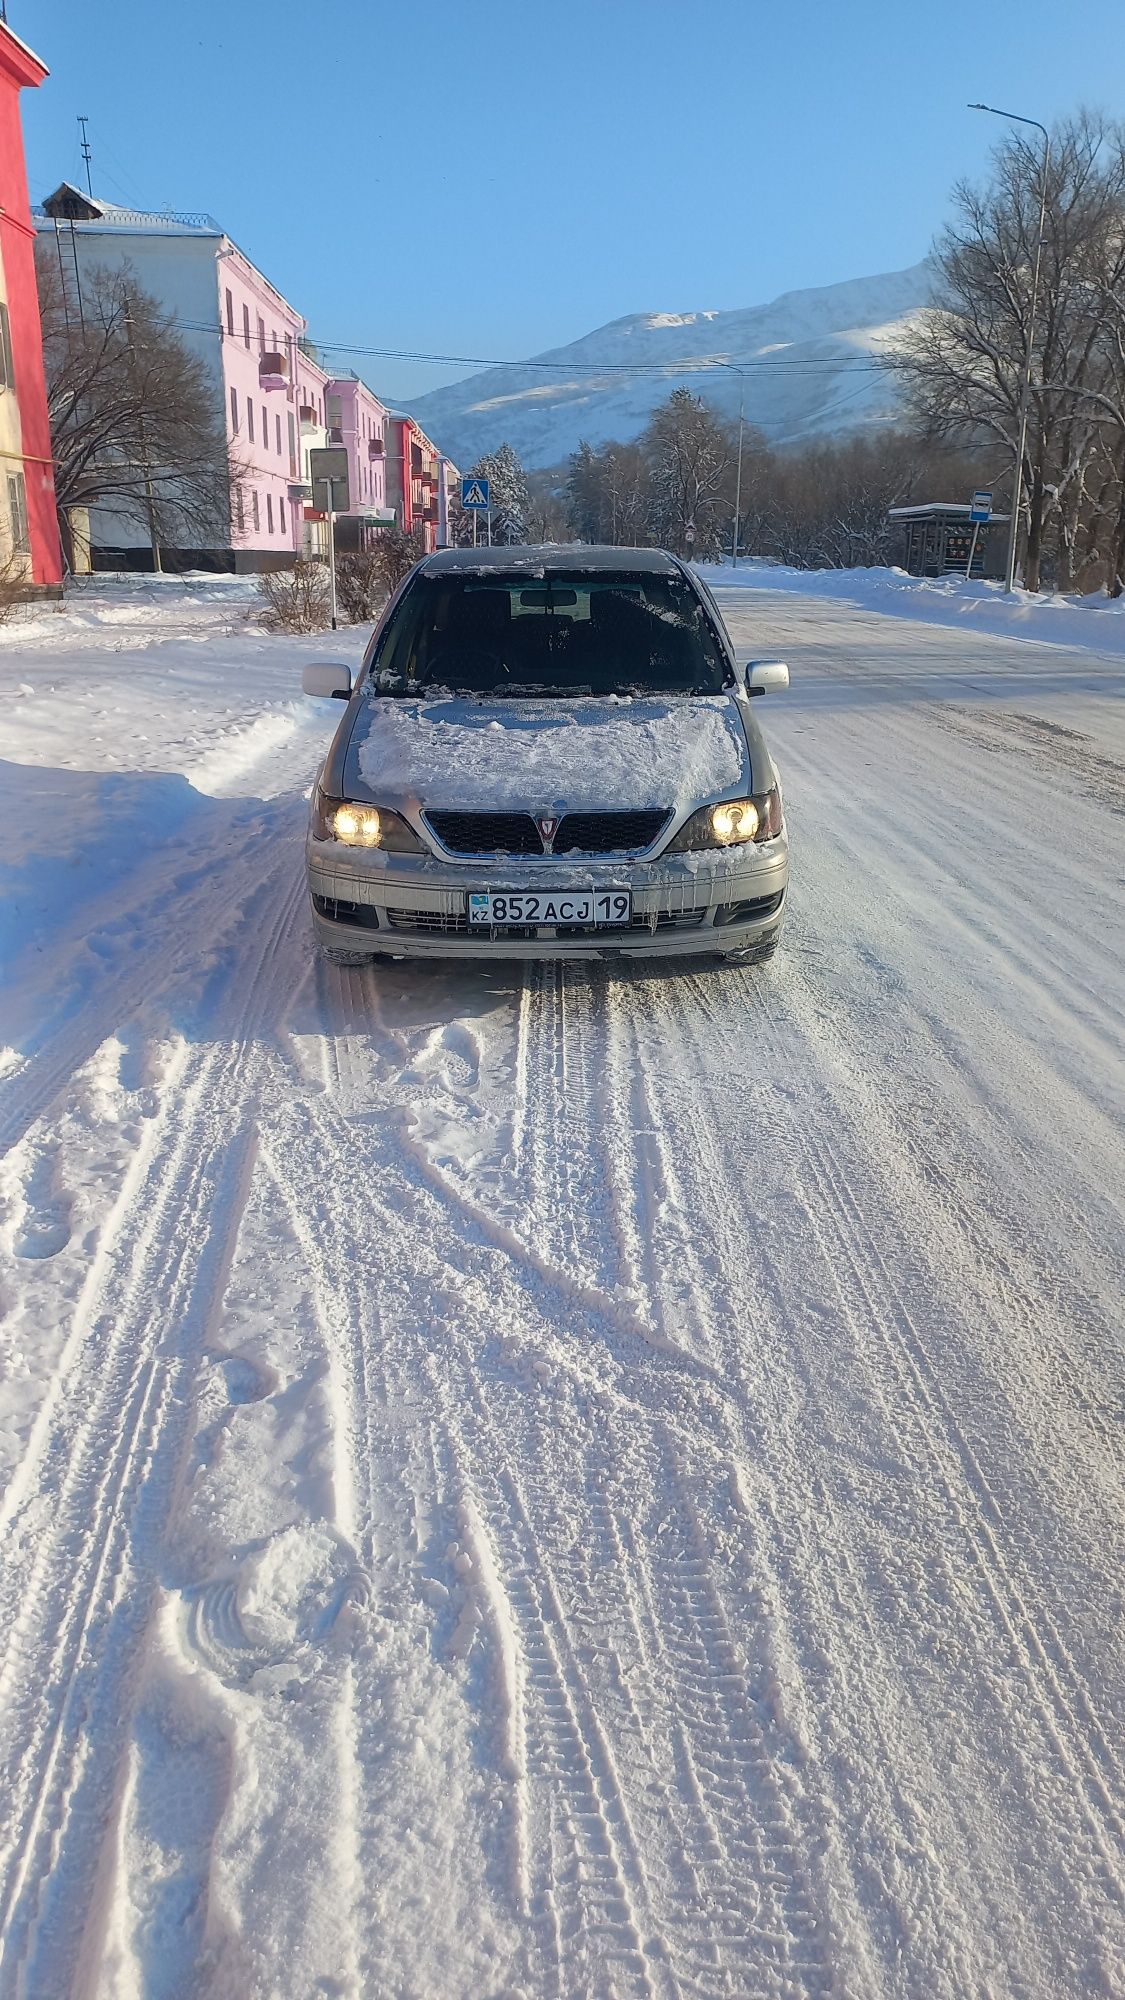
(937, 540)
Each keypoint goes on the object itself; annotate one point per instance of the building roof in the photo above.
(552, 556)
(19, 60)
(69, 204)
(938, 510)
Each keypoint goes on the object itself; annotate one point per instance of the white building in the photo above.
(276, 400)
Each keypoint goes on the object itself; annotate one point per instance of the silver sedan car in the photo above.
(549, 753)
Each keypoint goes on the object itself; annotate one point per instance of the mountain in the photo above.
(813, 375)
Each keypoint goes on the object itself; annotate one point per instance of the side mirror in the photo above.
(766, 676)
(328, 677)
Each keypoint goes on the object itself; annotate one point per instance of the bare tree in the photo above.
(134, 423)
(548, 515)
(964, 361)
(395, 552)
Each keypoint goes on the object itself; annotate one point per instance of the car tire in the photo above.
(335, 955)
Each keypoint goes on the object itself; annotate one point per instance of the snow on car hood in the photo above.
(581, 754)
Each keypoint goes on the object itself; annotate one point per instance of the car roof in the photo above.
(549, 558)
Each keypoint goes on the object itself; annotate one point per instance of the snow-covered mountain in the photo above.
(813, 373)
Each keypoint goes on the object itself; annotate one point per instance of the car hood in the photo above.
(582, 754)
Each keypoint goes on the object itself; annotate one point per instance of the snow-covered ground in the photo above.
(1092, 621)
(567, 1481)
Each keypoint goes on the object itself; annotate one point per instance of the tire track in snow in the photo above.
(592, 1896)
(591, 1825)
(1080, 1743)
(526, 1563)
(1070, 1721)
(704, 1186)
(75, 1614)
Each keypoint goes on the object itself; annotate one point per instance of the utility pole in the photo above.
(86, 153)
(150, 497)
(1025, 389)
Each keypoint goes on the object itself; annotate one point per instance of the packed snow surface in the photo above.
(608, 753)
(576, 1480)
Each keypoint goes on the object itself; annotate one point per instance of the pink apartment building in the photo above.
(277, 400)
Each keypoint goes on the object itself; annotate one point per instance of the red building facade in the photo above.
(28, 521)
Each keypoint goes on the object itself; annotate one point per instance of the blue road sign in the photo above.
(474, 493)
(980, 506)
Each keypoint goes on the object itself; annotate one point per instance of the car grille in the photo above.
(441, 923)
(486, 833)
(578, 833)
(609, 832)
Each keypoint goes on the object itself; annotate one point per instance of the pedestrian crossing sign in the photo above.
(474, 493)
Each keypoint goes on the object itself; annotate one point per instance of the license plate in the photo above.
(592, 907)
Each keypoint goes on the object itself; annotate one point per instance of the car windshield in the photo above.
(579, 632)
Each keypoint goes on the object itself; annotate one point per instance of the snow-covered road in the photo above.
(567, 1481)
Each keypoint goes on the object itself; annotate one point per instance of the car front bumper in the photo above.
(404, 906)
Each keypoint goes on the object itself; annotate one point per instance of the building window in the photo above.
(230, 311)
(233, 404)
(292, 446)
(17, 508)
(265, 428)
(277, 432)
(250, 419)
(7, 373)
(281, 513)
(239, 511)
(254, 508)
(246, 324)
(269, 512)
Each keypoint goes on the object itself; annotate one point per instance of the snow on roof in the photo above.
(956, 510)
(161, 222)
(8, 34)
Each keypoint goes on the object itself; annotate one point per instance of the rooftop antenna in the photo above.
(86, 154)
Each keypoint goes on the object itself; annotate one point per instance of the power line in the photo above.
(695, 364)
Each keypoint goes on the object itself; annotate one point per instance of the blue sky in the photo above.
(492, 177)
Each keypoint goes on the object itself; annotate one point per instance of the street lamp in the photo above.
(738, 474)
(1025, 391)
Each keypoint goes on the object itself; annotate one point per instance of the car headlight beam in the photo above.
(356, 824)
(730, 823)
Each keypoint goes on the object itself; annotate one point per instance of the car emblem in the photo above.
(548, 827)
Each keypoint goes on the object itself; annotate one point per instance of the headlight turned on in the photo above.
(730, 823)
(357, 825)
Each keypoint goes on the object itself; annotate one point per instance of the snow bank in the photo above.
(592, 755)
(1048, 618)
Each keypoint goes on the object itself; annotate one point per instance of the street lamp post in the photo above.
(1025, 388)
(738, 474)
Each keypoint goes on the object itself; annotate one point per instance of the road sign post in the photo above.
(328, 469)
(476, 499)
(980, 512)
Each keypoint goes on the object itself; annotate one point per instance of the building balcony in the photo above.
(273, 370)
(376, 448)
(308, 416)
